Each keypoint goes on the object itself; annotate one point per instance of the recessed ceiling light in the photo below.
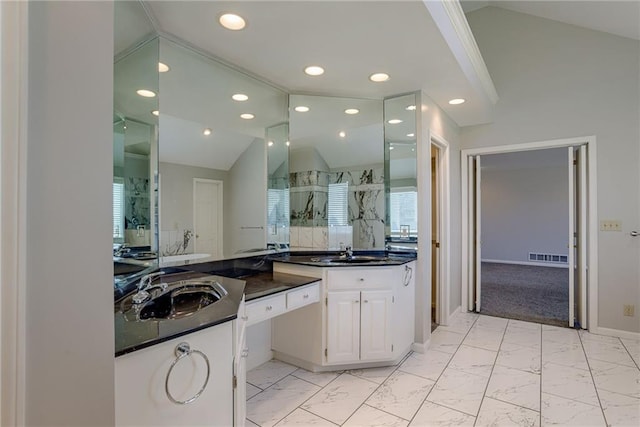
(206, 132)
(287, 143)
(314, 70)
(410, 108)
(270, 143)
(379, 77)
(146, 93)
(351, 111)
(247, 116)
(456, 101)
(301, 109)
(155, 113)
(342, 134)
(163, 68)
(239, 97)
(394, 121)
(231, 21)
(391, 147)
(411, 135)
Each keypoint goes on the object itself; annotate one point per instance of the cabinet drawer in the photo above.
(303, 296)
(370, 278)
(265, 309)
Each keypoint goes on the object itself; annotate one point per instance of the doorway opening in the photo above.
(527, 234)
(207, 217)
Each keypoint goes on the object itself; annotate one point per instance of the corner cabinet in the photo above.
(366, 318)
(162, 385)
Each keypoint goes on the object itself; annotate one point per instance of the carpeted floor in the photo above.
(534, 294)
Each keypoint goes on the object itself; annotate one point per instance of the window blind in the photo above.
(338, 204)
(404, 209)
(118, 208)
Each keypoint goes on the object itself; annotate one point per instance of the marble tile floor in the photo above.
(478, 371)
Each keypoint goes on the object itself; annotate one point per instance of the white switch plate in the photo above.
(610, 225)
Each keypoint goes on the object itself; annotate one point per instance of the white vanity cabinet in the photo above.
(366, 318)
(141, 381)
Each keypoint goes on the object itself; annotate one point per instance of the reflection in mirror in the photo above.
(400, 166)
(213, 157)
(336, 173)
(134, 155)
(278, 187)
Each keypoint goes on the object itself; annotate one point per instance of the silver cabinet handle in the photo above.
(366, 301)
(305, 296)
(269, 308)
(635, 233)
(182, 351)
(361, 279)
(356, 301)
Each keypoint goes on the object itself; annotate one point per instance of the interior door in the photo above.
(207, 202)
(471, 226)
(580, 272)
(571, 246)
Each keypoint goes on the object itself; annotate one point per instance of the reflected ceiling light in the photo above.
(379, 77)
(163, 68)
(342, 134)
(146, 93)
(411, 108)
(456, 101)
(411, 135)
(247, 116)
(270, 143)
(287, 143)
(231, 21)
(301, 109)
(155, 113)
(314, 70)
(391, 147)
(206, 132)
(351, 111)
(394, 121)
(239, 97)
(413, 149)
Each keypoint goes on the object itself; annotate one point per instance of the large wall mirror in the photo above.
(401, 187)
(336, 173)
(213, 126)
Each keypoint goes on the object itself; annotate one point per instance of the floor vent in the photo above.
(556, 259)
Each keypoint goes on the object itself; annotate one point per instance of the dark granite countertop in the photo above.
(322, 259)
(133, 334)
(268, 283)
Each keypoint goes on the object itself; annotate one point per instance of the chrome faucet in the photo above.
(144, 286)
(348, 252)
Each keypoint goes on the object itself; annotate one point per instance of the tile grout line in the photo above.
(629, 353)
(484, 394)
(445, 368)
(593, 379)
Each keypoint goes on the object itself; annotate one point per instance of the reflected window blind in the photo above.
(278, 205)
(118, 208)
(404, 209)
(337, 208)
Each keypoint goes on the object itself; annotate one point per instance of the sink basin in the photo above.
(356, 259)
(179, 300)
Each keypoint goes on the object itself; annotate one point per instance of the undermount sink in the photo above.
(355, 259)
(179, 300)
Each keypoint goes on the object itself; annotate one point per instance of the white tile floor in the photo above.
(479, 370)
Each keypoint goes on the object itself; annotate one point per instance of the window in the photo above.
(118, 209)
(403, 212)
(338, 205)
(278, 206)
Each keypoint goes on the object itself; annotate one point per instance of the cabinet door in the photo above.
(375, 327)
(343, 326)
(240, 369)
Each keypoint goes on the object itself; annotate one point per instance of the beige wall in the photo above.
(69, 341)
(557, 81)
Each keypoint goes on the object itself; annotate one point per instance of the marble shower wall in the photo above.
(309, 198)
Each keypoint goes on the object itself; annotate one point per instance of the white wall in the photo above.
(555, 81)
(69, 290)
(524, 210)
(247, 205)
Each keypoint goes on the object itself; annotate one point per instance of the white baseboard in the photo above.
(420, 347)
(453, 315)
(616, 333)
(535, 264)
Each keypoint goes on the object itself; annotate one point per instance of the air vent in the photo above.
(551, 258)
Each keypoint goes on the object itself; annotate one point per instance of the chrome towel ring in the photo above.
(184, 350)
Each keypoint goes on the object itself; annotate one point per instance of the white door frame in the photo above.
(220, 227)
(13, 179)
(592, 207)
(444, 226)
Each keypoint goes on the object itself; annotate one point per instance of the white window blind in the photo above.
(278, 205)
(403, 211)
(337, 207)
(118, 208)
